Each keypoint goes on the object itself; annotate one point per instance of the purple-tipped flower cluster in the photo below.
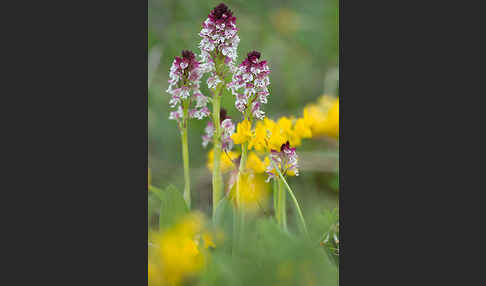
(286, 160)
(219, 37)
(184, 77)
(227, 129)
(252, 76)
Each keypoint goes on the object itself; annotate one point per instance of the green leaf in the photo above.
(172, 207)
(334, 182)
(156, 191)
(223, 213)
(330, 238)
(223, 216)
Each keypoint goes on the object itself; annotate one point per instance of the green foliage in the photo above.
(271, 257)
(223, 218)
(172, 206)
(330, 238)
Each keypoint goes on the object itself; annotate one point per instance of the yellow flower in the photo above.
(154, 275)
(243, 132)
(254, 163)
(326, 101)
(331, 127)
(208, 240)
(285, 124)
(323, 118)
(302, 128)
(269, 124)
(276, 140)
(226, 160)
(177, 254)
(314, 117)
(254, 191)
(259, 141)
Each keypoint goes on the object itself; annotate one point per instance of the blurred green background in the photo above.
(300, 41)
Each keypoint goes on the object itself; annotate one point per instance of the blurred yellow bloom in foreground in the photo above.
(208, 240)
(226, 160)
(178, 253)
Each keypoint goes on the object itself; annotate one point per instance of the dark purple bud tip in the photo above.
(221, 12)
(223, 114)
(285, 146)
(253, 56)
(188, 55)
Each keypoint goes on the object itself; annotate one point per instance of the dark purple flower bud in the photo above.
(253, 56)
(223, 115)
(219, 33)
(221, 14)
(284, 146)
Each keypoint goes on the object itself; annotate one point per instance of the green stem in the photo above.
(282, 205)
(240, 213)
(185, 157)
(275, 199)
(241, 170)
(217, 176)
(291, 193)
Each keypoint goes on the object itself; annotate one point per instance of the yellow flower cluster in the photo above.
(318, 119)
(178, 252)
(323, 117)
(269, 134)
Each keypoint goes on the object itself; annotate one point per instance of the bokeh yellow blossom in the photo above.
(208, 240)
(323, 117)
(226, 160)
(243, 132)
(177, 253)
(332, 124)
(180, 251)
(254, 191)
(154, 275)
(254, 163)
(302, 128)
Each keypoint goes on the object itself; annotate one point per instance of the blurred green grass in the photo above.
(300, 41)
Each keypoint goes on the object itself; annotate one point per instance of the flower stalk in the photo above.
(291, 193)
(185, 156)
(217, 176)
(241, 171)
(282, 207)
(184, 77)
